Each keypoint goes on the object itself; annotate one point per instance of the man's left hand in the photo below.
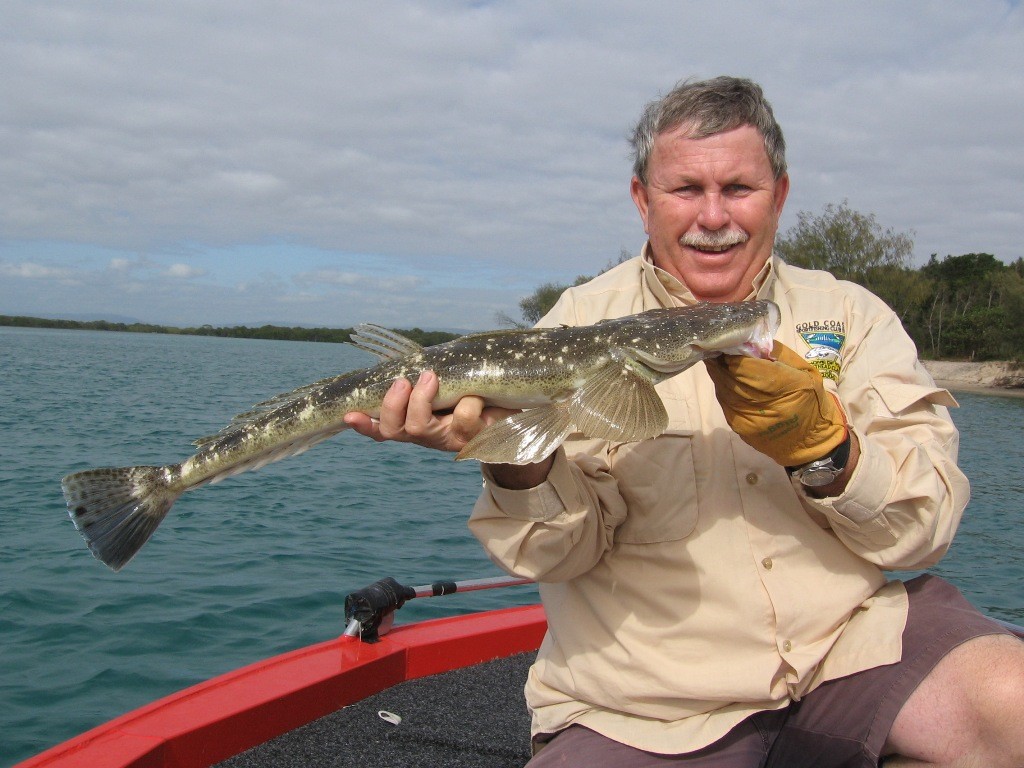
(779, 406)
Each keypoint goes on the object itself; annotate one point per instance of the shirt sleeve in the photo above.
(905, 498)
(557, 530)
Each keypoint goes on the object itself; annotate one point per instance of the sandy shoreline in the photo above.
(991, 378)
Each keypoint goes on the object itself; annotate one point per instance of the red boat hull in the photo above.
(222, 717)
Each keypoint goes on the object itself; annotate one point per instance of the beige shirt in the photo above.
(687, 581)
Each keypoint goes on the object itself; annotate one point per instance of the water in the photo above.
(260, 564)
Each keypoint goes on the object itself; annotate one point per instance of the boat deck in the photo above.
(473, 717)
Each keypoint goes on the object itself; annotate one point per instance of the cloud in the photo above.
(448, 142)
(27, 270)
(121, 265)
(183, 272)
(324, 278)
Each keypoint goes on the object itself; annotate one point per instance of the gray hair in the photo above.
(709, 107)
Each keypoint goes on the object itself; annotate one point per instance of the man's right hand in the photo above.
(407, 416)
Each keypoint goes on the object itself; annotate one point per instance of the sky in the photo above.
(429, 163)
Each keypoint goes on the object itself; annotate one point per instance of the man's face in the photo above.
(701, 197)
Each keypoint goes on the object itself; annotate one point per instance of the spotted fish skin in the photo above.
(595, 380)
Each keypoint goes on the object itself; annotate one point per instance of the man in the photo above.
(715, 596)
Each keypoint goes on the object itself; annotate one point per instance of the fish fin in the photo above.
(382, 342)
(261, 409)
(117, 509)
(619, 404)
(523, 438)
(283, 451)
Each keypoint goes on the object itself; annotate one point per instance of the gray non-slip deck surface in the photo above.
(469, 718)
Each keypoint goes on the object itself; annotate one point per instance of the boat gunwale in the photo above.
(221, 717)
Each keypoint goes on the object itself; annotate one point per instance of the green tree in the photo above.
(906, 290)
(977, 308)
(854, 246)
(844, 242)
(538, 303)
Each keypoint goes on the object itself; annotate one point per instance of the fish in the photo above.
(597, 381)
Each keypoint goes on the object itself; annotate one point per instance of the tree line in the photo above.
(271, 332)
(968, 306)
(965, 307)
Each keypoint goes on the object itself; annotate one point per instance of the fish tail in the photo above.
(117, 509)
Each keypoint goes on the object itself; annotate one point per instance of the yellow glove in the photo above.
(779, 406)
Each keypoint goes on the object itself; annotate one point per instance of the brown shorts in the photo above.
(841, 724)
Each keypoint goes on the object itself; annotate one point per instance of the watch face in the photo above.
(815, 477)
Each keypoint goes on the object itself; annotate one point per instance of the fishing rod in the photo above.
(370, 611)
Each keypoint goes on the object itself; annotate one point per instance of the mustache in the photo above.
(720, 239)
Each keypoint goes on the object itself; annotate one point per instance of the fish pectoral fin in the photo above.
(619, 404)
(523, 438)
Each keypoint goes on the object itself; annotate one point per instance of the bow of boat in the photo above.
(215, 720)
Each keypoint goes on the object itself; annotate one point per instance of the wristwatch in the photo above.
(815, 474)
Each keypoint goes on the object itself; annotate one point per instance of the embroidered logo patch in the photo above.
(825, 339)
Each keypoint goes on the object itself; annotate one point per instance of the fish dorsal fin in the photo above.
(618, 404)
(383, 342)
(523, 438)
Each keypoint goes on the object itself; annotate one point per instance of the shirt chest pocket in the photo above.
(657, 480)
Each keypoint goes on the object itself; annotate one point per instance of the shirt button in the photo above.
(752, 479)
(767, 563)
(787, 646)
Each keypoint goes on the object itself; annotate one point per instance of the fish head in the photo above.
(668, 341)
